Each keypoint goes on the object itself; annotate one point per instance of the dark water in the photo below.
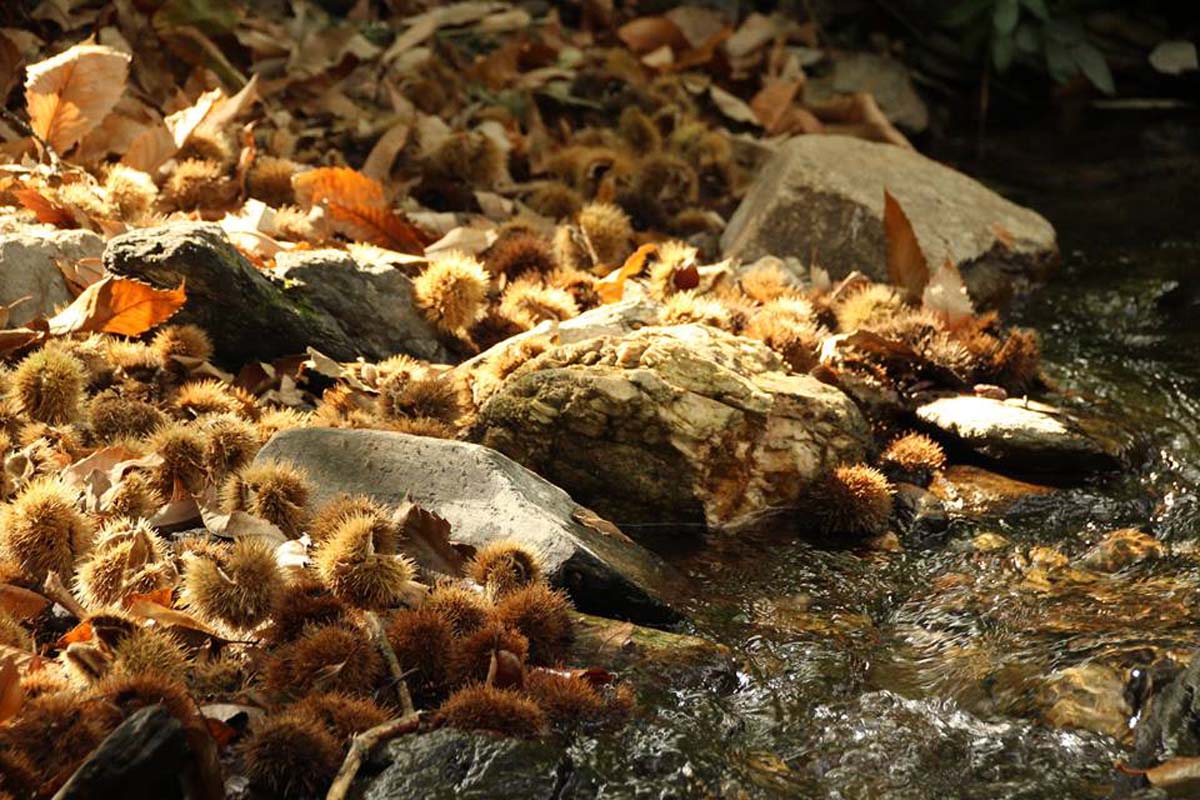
(925, 674)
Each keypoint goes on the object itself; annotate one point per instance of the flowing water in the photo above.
(925, 674)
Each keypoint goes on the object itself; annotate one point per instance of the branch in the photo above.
(25, 128)
(361, 746)
(393, 663)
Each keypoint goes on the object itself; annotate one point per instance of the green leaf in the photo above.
(1059, 62)
(210, 17)
(964, 12)
(1091, 62)
(1027, 38)
(1002, 52)
(1004, 16)
(1037, 8)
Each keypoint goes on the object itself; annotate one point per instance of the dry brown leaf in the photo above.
(906, 265)
(425, 538)
(341, 185)
(69, 94)
(80, 633)
(650, 33)
(946, 295)
(379, 162)
(772, 103)
(46, 211)
(150, 149)
(118, 305)
(21, 603)
(11, 694)
(1178, 777)
(359, 209)
(611, 287)
(142, 606)
(16, 338)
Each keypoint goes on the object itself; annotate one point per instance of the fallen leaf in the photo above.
(80, 633)
(240, 525)
(379, 161)
(358, 208)
(16, 338)
(772, 103)
(1178, 777)
(21, 603)
(118, 305)
(46, 211)
(732, 106)
(222, 732)
(646, 34)
(70, 94)
(947, 296)
(612, 286)
(425, 538)
(906, 265)
(11, 694)
(170, 617)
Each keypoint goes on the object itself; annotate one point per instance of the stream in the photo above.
(924, 674)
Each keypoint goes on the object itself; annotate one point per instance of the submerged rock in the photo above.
(29, 269)
(1123, 548)
(976, 492)
(673, 425)
(641, 655)
(822, 197)
(252, 317)
(487, 497)
(1024, 435)
(1090, 697)
(919, 513)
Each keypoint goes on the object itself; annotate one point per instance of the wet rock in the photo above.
(146, 756)
(647, 655)
(371, 303)
(1123, 548)
(1090, 697)
(976, 492)
(1024, 435)
(28, 269)
(824, 195)
(486, 497)
(672, 424)
(252, 317)
(1170, 726)
(919, 513)
(885, 78)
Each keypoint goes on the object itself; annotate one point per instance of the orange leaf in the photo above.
(21, 603)
(70, 94)
(80, 633)
(772, 103)
(118, 305)
(650, 33)
(612, 286)
(906, 265)
(340, 185)
(16, 338)
(160, 597)
(47, 211)
(378, 226)
(11, 695)
(168, 616)
(222, 732)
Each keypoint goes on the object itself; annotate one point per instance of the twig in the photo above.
(361, 746)
(59, 593)
(26, 129)
(393, 663)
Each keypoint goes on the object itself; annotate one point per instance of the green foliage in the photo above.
(1035, 32)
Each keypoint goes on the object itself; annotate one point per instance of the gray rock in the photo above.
(920, 515)
(146, 756)
(1025, 435)
(486, 497)
(647, 657)
(252, 317)
(372, 304)
(885, 78)
(28, 269)
(678, 424)
(822, 197)
(1170, 726)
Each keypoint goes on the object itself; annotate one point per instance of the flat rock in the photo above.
(644, 655)
(252, 316)
(371, 303)
(1024, 435)
(146, 756)
(976, 492)
(677, 424)
(28, 269)
(885, 78)
(822, 197)
(487, 497)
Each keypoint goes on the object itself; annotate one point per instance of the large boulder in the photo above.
(821, 197)
(486, 497)
(29, 269)
(253, 315)
(678, 424)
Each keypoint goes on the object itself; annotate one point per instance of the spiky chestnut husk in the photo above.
(519, 253)
(329, 518)
(121, 695)
(688, 307)
(669, 182)
(207, 146)
(44, 681)
(914, 458)
(136, 496)
(355, 573)
(452, 291)
(55, 732)
(197, 184)
(868, 307)
(785, 327)
(766, 282)
(469, 157)
(421, 426)
(275, 420)
(18, 776)
(670, 258)
(693, 221)
(513, 357)
(527, 301)
(568, 701)
(423, 642)
(223, 676)
(86, 197)
(12, 417)
(111, 417)
(543, 616)
(580, 285)
(197, 398)
(466, 610)
(150, 651)
(132, 191)
(296, 225)
(639, 131)
(181, 447)
(240, 589)
(49, 385)
(492, 329)
(303, 604)
(270, 179)
(230, 445)
(291, 756)
(855, 500)
(42, 530)
(187, 341)
(556, 201)
(504, 566)
(12, 634)
(610, 232)
(330, 658)
(342, 714)
(127, 559)
(485, 708)
(1016, 363)
(472, 655)
(276, 491)
(436, 397)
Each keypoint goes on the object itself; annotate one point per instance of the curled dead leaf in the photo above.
(21, 603)
(70, 94)
(906, 265)
(118, 305)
